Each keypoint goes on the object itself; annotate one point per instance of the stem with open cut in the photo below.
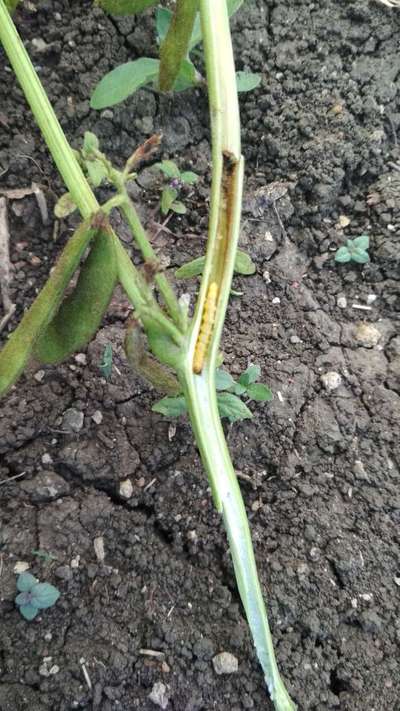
(199, 388)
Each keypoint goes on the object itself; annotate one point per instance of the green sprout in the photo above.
(178, 35)
(34, 596)
(355, 250)
(105, 366)
(176, 182)
(229, 393)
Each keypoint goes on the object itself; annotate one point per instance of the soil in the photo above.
(319, 467)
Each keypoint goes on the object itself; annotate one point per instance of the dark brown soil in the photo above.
(322, 466)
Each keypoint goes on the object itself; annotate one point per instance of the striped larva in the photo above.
(207, 322)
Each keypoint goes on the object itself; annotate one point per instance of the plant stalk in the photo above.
(199, 389)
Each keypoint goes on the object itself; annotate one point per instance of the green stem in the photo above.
(200, 389)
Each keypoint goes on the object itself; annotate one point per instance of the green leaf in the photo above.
(247, 81)
(28, 611)
(168, 168)
(342, 255)
(191, 269)
(97, 172)
(232, 6)
(187, 76)
(239, 389)
(125, 7)
(90, 143)
(179, 207)
(232, 407)
(105, 366)
(167, 198)
(64, 206)
(189, 178)
(250, 375)
(171, 406)
(44, 595)
(123, 81)
(244, 264)
(359, 256)
(223, 380)
(163, 19)
(25, 582)
(259, 392)
(361, 242)
(11, 5)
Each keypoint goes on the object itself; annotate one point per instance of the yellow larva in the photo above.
(207, 323)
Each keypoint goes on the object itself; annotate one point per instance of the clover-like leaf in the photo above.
(25, 582)
(188, 177)
(247, 81)
(250, 375)
(169, 168)
(167, 199)
(123, 81)
(361, 242)
(223, 380)
(178, 207)
(259, 392)
(171, 406)
(44, 595)
(28, 611)
(360, 256)
(232, 407)
(343, 255)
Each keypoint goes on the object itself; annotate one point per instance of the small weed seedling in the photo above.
(178, 35)
(34, 596)
(229, 393)
(44, 555)
(176, 182)
(355, 250)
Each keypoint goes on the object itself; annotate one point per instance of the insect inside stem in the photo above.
(207, 322)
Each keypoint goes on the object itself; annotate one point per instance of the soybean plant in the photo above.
(53, 327)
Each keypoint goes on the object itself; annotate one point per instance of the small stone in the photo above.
(158, 695)
(359, 470)
(81, 358)
(294, 339)
(45, 486)
(276, 300)
(21, 566)
(75, 562)
(341, 302)
(371, 298)
(97, 417)
(397, 581)
(47, 459)
(331, 380)
(39, 44)
(73, 420)
(225, 663)
(39, 375)
(266, 277)
(43, 671)
(48, 637)
(54, 669)
(107, 114)
(126, 489)
(367, 335)
(98, 545)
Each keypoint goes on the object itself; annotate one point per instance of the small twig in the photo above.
(12, 478)
(5, 267)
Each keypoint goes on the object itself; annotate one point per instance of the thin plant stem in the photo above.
(200, 388)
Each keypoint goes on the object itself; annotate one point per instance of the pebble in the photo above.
(341, 302)
(371, 298)
(331, 380)
(158, 695)
(97, 417)
(21, 566)
(81, 358)
(47, 459)
(276, 300)
(46, 485)
(367, 335)
(72, 420)
(294, 339)
(266, 277)
(225, 663)
(39, 375)
(126, 489)
(98, 545)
